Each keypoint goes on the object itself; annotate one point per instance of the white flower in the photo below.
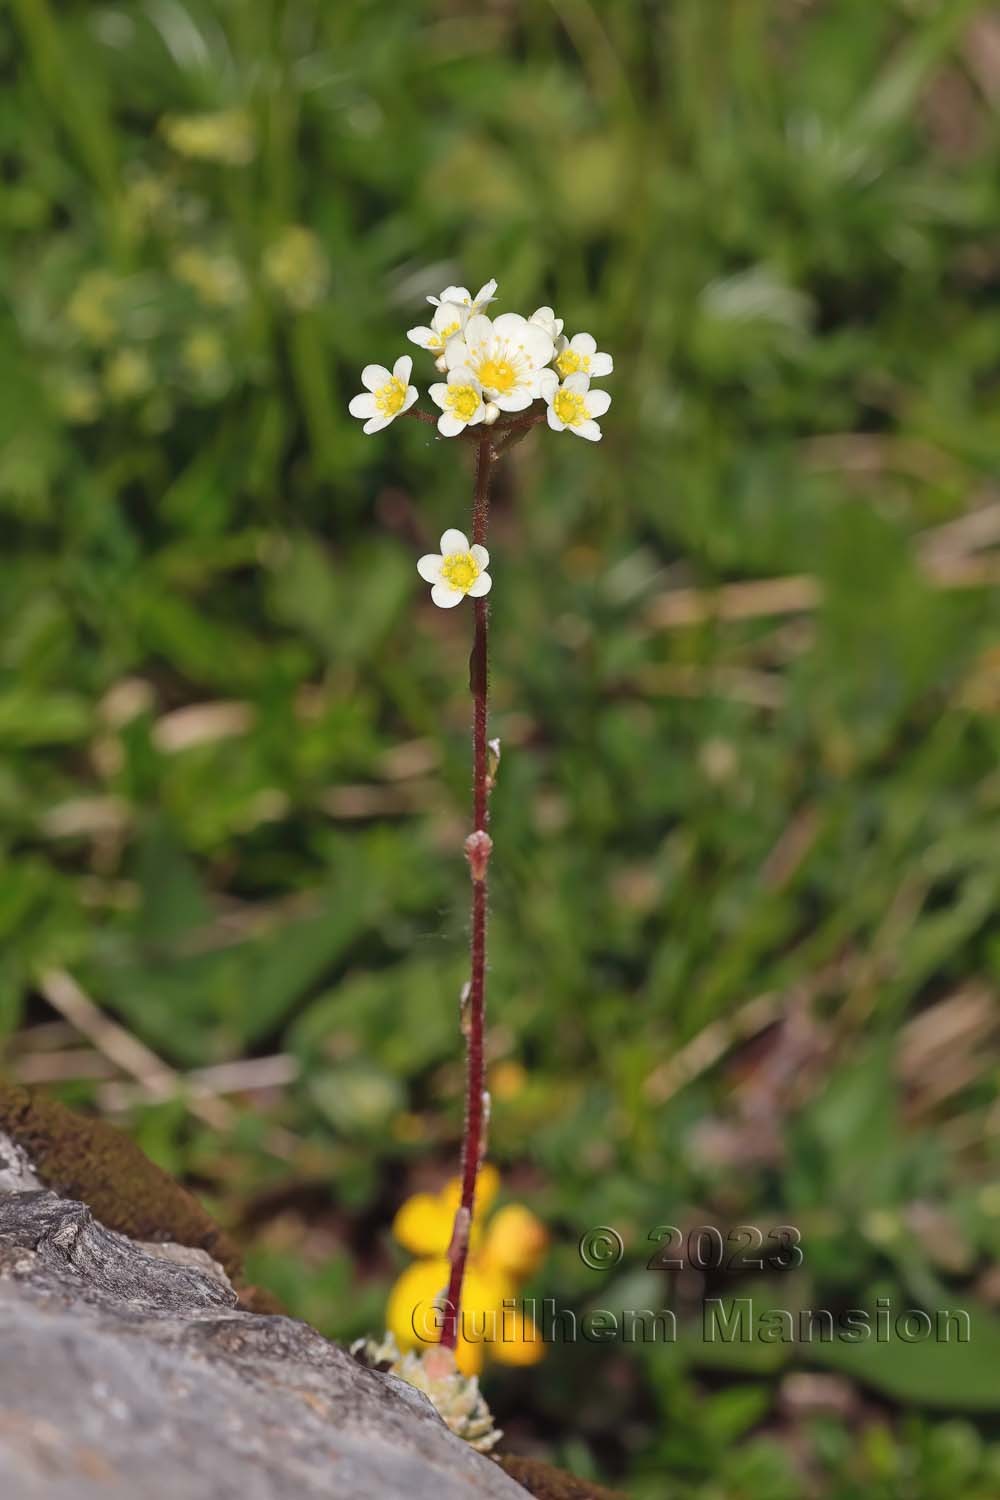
(461, 294)
(387, 394)
(506, 356)
(448, 320)
(456, 570)
(460, 400)
(573, 405)
(546, 318)
(579, 356)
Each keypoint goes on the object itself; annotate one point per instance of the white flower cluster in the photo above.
(494, 367)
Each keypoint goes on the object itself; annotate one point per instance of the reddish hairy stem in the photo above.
(478, 849)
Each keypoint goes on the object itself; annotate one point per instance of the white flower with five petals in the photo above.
(461, 401)
(580, 356)
(461, 294)
(448, 320)
(546, 318)
(387, 394)
(456, 570)
(506, 355)
(573, 406)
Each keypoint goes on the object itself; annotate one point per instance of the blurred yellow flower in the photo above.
(225, 136)
(91, 307)
(217, 279)
(296, 266)
(503, 1253)
(128, 374)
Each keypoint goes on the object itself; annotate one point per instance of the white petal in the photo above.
(486, 293)
(516, 400)
(411, 395)
(597, 403)
(482, 586)
(463, 375)
(554, 421)
(510, 326)
(548, 384)
(535, 339)
(424, 338)
(363, 405)
(429, 566)
(375, 376)
(456, 353)
(458, 294)
(449, 426)
(446, 598)
(454, 541)
(438, 393)
(588, 430)
(401, 369)
(376, 424)
(578, 382)
(490, 413)
(601, 364)
(478, 330)
(480, 555)
(583, 343)
(448, 313)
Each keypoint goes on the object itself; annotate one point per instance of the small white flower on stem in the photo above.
(492, 412)
(573, 405)
(387, 395)
(464, 298)
(580, 356)
(456, 570)
(546, 318)
(507, 356)
(461, 401)
(448, 320)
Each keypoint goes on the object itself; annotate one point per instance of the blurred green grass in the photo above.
(235, 764)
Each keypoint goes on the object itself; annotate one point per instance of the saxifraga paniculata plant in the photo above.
(502, 376)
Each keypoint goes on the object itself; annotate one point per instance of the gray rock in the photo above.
(128, 1371)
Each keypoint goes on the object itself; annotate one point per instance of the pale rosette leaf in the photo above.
(507, 356)
(456, 570)
(573, 406)
(386, 396)
(460, 398)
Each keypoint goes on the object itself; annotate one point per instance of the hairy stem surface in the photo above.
(478, 850)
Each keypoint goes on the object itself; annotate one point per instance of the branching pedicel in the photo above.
(498, 371)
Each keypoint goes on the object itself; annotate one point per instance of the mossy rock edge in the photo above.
(546, 1483)
(87, 1159)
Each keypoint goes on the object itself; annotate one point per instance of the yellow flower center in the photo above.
(460, 569)
(390, 397)
(463, 400)
(499, 374)
(570, 408)
(569, 362)
(438, 340)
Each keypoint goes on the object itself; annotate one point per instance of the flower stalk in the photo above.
(504, 376)
(478, 847)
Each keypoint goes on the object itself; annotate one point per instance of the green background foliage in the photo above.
(234, 780)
